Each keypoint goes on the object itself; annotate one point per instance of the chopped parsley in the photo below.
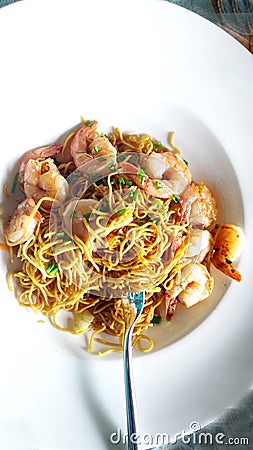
(228, 261)
(96, 149)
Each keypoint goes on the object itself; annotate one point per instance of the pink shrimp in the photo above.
(42, 152)
(42, 178)
(165, 174)
(155, 188)
(97, 155)
(22, 224)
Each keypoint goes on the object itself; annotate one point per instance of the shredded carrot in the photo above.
(4, 247)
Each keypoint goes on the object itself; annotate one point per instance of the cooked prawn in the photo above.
(73, 216)
(22, 224)
(165, 174)
(228, 245)
(155, 188)
(168, 166)
(200, 243)
(204, 208)
(42, 178)
(195, 286)
(78, 145)
(97, 155)
(42, 152)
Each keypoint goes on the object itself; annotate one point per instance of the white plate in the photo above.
(145, 66)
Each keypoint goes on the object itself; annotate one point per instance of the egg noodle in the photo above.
(134, 241)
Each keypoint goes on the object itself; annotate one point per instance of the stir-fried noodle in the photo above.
(113, 227)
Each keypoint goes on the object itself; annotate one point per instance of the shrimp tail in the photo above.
(226, 267)
(229, 241)
(170, 306)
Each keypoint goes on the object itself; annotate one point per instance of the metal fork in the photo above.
(133, 304)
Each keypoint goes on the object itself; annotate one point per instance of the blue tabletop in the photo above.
(235, 428)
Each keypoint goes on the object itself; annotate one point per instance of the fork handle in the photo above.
(132, 421)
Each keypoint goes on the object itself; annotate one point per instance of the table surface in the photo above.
(236, 425)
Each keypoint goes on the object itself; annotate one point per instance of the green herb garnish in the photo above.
(14, 184)
(52, 268)
(129, 183)
(122, 181)
(133, 195)
(96, 149)
(111, 166)
(101, 159)
(72, 215)
(156, 221)
(176, 198)
(158, 185)
(186, 162)
(158, 203)
(88, 123)
(156, 319)
(158, 144)
(120, 210)
(228, 261)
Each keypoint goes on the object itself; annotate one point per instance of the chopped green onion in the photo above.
(156, 221)
(122, 181)
(120, 210)
(88, 123)
(158, 203)
(122, 157)
(101, 159)
(140, 173)
(91, 177)
(158, 144)
(141, 223)
(133, 195)
(60, 235)
(186, 162)
(129, 183)
(14, 184)
(156, 319)
(52, 268)
(158, 185)
(87, 216)
(111, 166)
(96, 149)
(176, 198)
(228, 261)
(72, 215)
